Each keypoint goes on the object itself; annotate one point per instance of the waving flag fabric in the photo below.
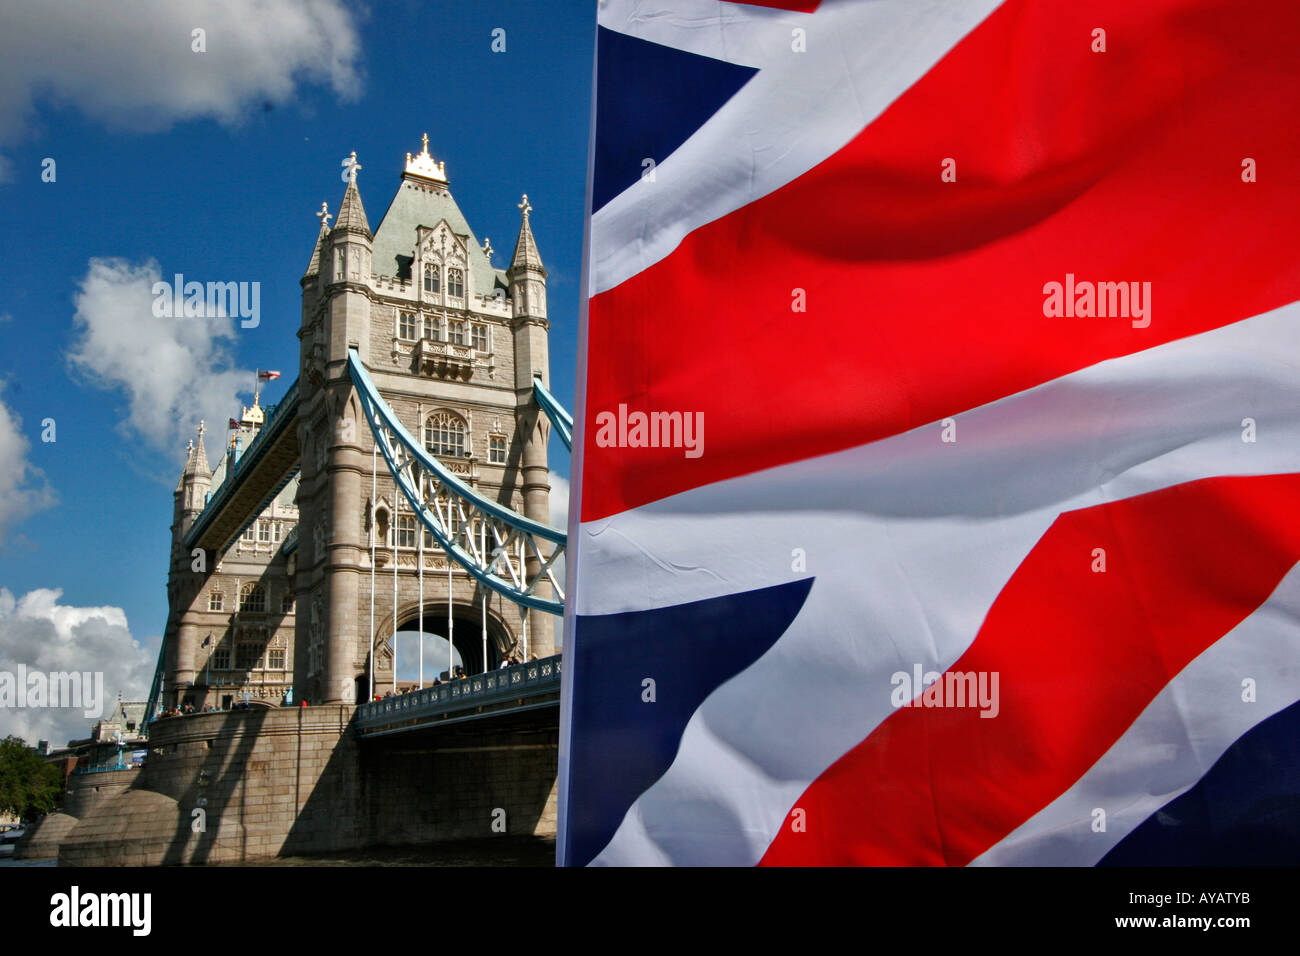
(938, 483)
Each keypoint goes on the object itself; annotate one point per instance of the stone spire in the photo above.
(196, 478)
(313, 267)
(196, 458)
(527, 275)
(201, 454)
(352, 215)
(186, 471)
(526, 257)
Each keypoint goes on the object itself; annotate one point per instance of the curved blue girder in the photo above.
(155, 686)
(497, 551)
(561, 419)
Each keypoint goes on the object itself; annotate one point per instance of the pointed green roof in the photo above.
(422, 204)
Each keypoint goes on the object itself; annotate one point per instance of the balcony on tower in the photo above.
(445, 359)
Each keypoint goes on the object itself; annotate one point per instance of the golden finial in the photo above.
(423, 165)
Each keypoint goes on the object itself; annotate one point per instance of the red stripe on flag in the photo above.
(1079, 656)
(925, 298)
(798, 6)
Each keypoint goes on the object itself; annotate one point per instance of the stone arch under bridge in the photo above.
(467, 638)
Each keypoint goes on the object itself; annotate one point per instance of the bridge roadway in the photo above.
(268, 464)
(510, 690)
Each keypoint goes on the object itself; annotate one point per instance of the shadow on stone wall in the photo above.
(298, 781)
(84, 793)
(246, 772)
(472, 780)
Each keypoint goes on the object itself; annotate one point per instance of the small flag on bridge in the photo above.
(267, 376)
(234, 424)
(937, 490)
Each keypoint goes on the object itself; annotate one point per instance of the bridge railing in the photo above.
(506, 683)
(107, 765)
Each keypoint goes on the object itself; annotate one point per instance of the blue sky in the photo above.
(213, 164)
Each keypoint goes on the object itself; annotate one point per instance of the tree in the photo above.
(29, 784)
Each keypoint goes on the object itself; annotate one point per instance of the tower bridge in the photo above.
(402, 481)
(413, 331)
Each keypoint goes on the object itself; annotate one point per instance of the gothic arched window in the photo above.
(252, 597)
(444, 434)
(431, 282)
(432, 328)
(455, 282)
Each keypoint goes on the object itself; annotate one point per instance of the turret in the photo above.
(526, 274)
(196, 481)
(346, 274)
(530, 329)
(336, 316)
(183, 582)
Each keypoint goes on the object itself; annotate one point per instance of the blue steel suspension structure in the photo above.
(499, 555)
(561, 419)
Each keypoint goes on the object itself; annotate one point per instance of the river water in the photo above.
(502, 851)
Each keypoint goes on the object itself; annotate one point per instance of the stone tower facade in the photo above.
(230, 630)
(453, 343)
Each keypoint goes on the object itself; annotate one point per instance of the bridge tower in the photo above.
(453, 345)
(230, 623)
(183, 586)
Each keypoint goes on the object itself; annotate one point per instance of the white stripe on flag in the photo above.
(1180, 735)
(910, 541)
(799, 109)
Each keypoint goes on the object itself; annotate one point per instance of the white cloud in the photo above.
(133, 66)
(23, 489)
(172, 371)
(45, 636)
(559, 501)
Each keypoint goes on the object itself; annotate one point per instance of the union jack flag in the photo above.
(987, 317)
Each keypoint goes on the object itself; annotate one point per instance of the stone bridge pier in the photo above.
(299, 781)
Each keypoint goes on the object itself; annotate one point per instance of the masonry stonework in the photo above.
(296, 781)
